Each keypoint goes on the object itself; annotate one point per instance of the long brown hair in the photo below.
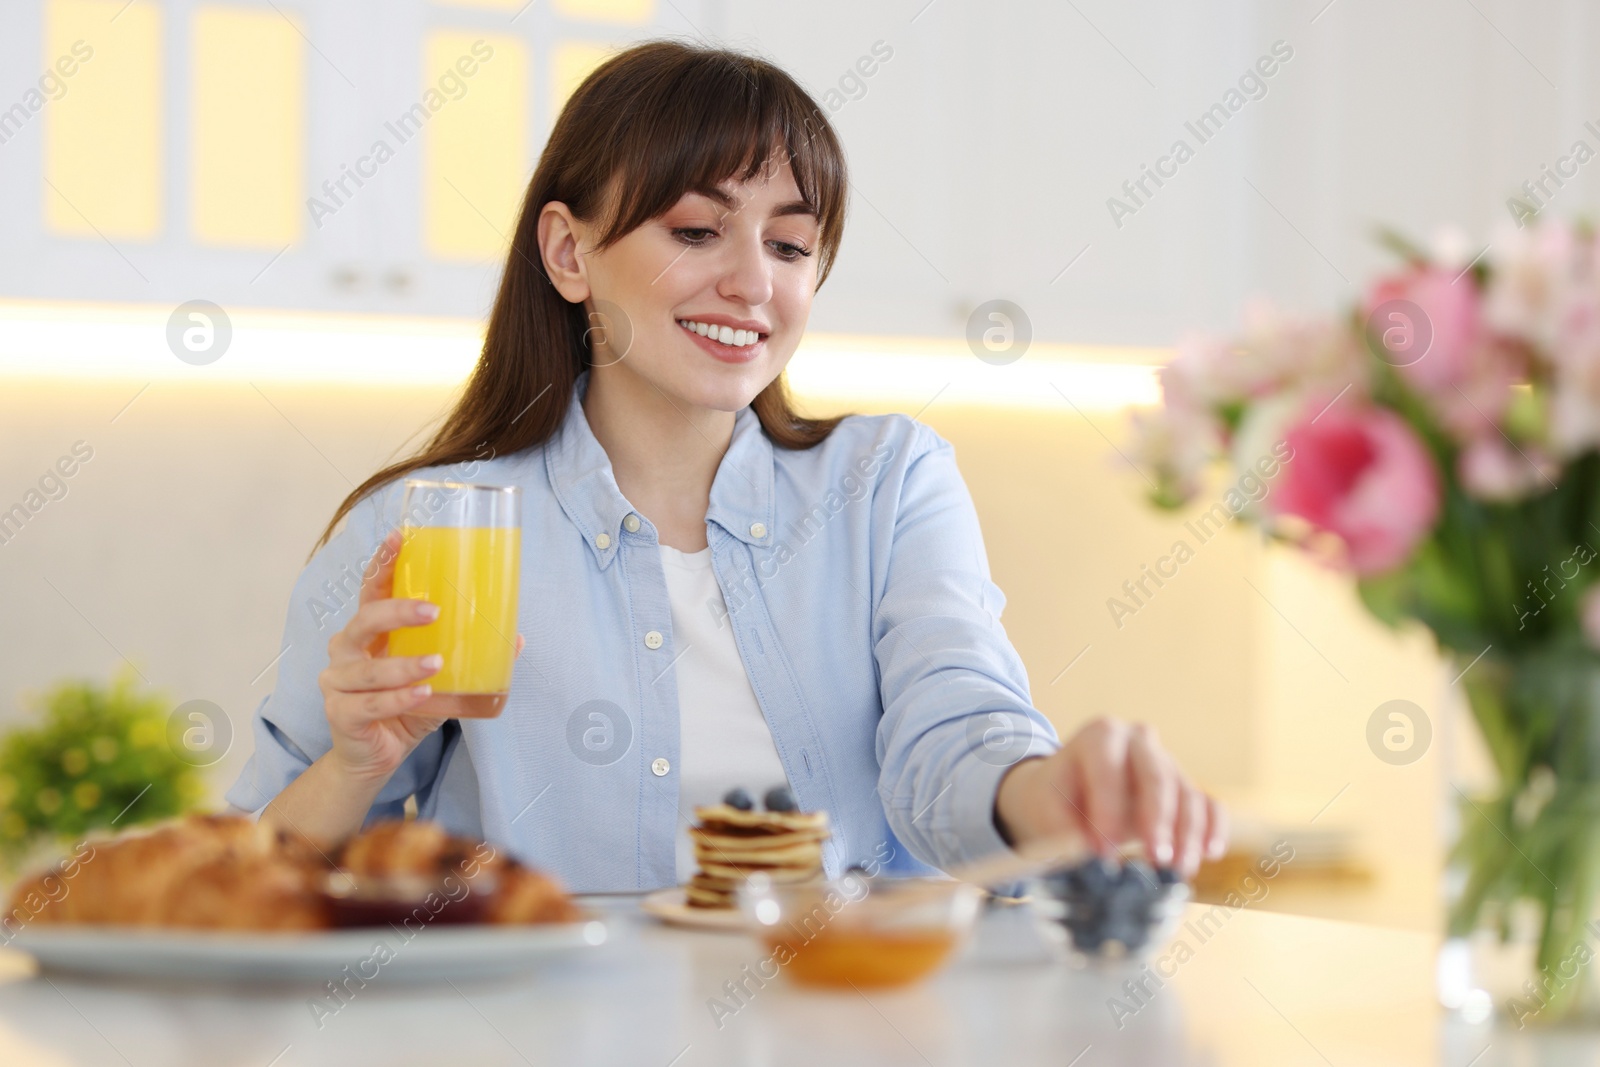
(648, 125)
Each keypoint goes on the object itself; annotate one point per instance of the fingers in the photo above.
(1128, 787)
(379, 584)
(1155, 794)
(520, 644)
(1102, 756)
(374, 619)
(382, 672)
(380, 704)
(1217, 829)
(1193, 814)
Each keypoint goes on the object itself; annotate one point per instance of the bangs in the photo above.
(701, 117)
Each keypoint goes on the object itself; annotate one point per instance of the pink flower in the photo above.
(1534, 273)
(1429, 324)
(1575, 405)
(1545, 292)
(1490, 469)
(1275, 354)
(1177, 441)
(1301, 355)
(1429, 321)
(1362, 474)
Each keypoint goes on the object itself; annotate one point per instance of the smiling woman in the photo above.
(682, 644)
(625, 128)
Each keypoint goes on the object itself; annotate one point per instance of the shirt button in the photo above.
(653, 640)
(758, 529)
(660, 767)
(632, 523)
(602, 541)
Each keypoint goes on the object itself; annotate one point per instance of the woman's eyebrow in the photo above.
(794, 207)
(731, 203)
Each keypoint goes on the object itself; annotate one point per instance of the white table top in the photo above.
(1263, 989)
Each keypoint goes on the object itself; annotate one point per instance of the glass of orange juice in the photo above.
(461, 548)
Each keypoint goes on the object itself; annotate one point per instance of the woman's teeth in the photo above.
(726, 334)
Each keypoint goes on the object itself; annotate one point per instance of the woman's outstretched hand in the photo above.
(1113, 783)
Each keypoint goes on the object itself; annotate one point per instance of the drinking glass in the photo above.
(461, 548)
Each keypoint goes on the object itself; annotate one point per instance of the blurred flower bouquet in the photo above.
(98, 756)
(1439, 442)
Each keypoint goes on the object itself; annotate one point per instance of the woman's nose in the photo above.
(747, 276)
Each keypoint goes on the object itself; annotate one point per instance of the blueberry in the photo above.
(1087, 937)
(1087, 916)
(738, 798)
(1128, 903)
(1133, 935)
(779, 798)
(1101, 902)
(1096, 876)
(1138, 873)
(1168, 876)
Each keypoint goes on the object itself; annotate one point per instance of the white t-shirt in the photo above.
(723, 739)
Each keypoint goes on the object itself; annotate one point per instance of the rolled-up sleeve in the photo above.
(290, 728)
(957, 714)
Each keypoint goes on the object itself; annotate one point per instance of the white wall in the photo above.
(992, 139)
(984, 151)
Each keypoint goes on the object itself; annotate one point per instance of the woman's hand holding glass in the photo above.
(375, 702)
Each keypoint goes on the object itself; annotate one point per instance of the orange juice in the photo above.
(472, 573)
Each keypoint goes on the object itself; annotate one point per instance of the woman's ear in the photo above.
(559, 238)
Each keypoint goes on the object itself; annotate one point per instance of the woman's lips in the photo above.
(727, 353)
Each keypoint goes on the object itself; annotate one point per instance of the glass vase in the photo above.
(1523, 925)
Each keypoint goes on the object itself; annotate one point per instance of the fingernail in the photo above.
(1215, 850)
(1163, 852)
(420, 691)
(433, 663)
(428, 611)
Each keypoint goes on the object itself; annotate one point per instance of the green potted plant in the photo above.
(96, 757)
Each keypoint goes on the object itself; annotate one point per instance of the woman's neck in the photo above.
(664, 452)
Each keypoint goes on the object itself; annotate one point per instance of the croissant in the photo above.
(515, 894)
(233, 872)
(217, 871)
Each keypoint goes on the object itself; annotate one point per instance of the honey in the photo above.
(842, 957)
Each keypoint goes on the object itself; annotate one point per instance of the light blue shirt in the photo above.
(856, 583)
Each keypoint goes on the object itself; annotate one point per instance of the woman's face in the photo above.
(743, 261)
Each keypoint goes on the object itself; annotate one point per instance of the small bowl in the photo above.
(859, 931)
(1103, 912)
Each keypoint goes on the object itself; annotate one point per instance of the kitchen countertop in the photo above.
(1259, 988)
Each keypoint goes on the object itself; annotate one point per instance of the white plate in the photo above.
(671, 907)
(428, 954)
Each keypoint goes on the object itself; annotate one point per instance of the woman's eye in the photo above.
(790, 251)
(686, 234)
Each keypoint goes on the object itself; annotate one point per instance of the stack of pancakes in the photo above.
(731, 844)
